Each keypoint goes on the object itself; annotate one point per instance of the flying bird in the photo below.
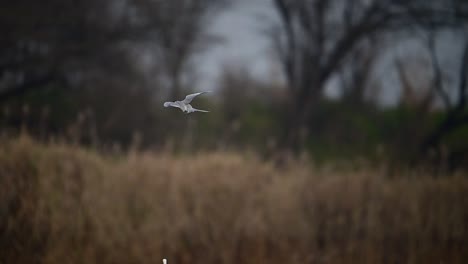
(184, 105)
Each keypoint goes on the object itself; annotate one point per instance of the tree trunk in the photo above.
(455, 118)
(302, 106)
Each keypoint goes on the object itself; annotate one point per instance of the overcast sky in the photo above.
(240, 26)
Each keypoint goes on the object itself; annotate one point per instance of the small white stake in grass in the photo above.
(184, 105)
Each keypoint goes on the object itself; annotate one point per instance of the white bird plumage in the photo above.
(184, 105)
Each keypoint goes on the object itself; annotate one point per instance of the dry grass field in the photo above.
(66, 204)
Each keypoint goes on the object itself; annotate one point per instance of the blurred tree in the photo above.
(249, 109)
(94, 53)
(414, 108)
(55, 41)
(56, 55)
(237, 89)
(356, 80)
(180, 30)
(317, 36)
(456, 111)
(453, 16)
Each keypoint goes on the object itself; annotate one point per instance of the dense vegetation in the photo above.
(338, 131)
(66, 204)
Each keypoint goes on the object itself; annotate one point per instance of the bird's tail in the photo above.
(199, 110)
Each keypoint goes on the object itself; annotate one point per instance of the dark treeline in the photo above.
(103, 66)
(96, 72)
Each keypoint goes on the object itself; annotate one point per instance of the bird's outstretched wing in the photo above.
(190, 97)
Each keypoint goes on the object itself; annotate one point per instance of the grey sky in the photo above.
(244, 44)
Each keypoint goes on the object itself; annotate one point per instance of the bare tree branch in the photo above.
(438, 85)
(456, 116)
(369, 23)
(290, 50)
(321, 35)
(462, 89)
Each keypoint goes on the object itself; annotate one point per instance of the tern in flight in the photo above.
(184, 105)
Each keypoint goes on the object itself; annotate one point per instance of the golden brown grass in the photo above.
(65, 204)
